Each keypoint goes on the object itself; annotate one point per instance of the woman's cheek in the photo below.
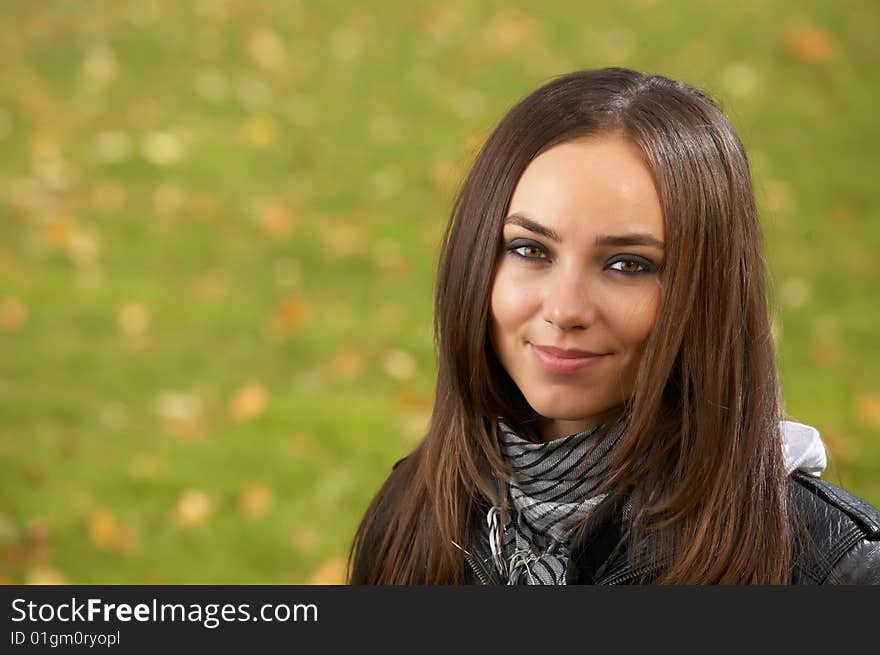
(510, 296)
(636, 314)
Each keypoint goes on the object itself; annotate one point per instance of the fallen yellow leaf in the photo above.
(182, 412)
(100, 63)
(194, 508)
(45, 575)
(808, 43)
(133, 319)
(13, 315)
(399, 364)
(103, 528)
(61, 231)
(276, 219)
(44, 145)
(249, 401)
(867, 408)
(330, 572)
(254, 499)
(290, 314)
(341, 239)
(260, 131)
(266, 48)
(162, 148)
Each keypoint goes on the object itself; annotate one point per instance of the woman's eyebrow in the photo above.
(531, 226)
(637, 239)
(629, 240)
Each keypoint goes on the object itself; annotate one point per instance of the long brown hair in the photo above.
(701, 457)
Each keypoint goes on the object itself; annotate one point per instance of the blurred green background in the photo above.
(219, 223)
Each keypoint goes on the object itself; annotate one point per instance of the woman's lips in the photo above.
(564, 362)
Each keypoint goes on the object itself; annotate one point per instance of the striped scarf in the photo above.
(551, 491)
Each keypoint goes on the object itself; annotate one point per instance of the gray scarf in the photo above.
(551, 491)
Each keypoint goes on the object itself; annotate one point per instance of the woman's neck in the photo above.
(552, 429)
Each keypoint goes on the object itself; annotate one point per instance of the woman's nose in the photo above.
(568, 303)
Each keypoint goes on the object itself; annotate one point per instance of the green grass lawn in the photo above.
(219, 224)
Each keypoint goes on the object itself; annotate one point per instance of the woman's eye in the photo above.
(631, 266)
(528, 251)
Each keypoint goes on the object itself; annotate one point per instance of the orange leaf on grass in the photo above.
(254, 499)
(330, 572)
(182, 412)
(267, 48)
(194, 508)
(103, 528)
(275, 219)
(291, 314)
(808, 43)
(341, 239)
(133, 319)
(60, 231)
(260, 131)
(45, 575)
(867, 408)
(13, 315)
(399, 364)
(162, 148)
(249, 402)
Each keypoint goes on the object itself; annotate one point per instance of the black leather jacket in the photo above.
(840, 544)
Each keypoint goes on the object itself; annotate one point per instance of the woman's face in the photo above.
(577, 284)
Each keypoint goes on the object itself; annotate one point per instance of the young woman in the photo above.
(607, 405)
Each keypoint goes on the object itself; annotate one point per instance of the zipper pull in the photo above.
(470, 559)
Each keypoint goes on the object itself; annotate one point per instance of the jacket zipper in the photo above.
(631, 576)
(628, 576)
(481, 576)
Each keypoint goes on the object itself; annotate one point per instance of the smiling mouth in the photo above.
(565, 362)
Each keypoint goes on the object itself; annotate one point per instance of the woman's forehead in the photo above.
(600, 181)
